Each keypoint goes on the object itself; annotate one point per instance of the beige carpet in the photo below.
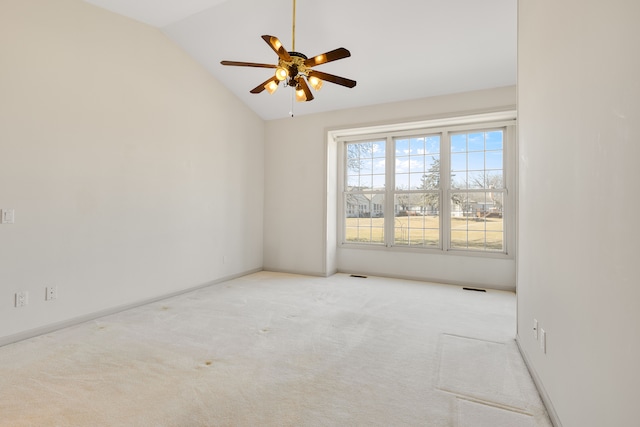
(273, 349)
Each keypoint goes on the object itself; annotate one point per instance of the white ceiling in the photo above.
(402, 49)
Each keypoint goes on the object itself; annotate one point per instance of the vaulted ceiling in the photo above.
(400, 50)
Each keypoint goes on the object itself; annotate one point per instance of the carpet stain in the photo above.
(208, 363)
(164, 308)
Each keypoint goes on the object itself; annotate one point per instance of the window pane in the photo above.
(402, 147)
(378, 150)
(495, 179)
(459, 162)
(402, 164)
(353, 168)
(422, 168)
(364, 216)
(493, 140)
(475, 161)
(459, 180)
(475, 142)
(416, 146)
(432, 164)
(352, 182)
(416, 164)
(475, 239)
(475, 179)
(458, 143)
(495, 202)
(360, 156)
(494, 241)
(417, 221)
(366, 166)
(379, 166)
(415, 181)
(432, 144)
(475, 167)
(364, 222)
(493, 160)
(378, 182)
(366, 182)
(431, 177)
(476, 221)
(402, 181)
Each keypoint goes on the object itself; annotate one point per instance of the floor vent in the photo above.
(474, 289)
(358, 276)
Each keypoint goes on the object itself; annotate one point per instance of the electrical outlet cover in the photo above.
(22, 298)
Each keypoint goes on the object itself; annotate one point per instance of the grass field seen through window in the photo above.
(423, 231)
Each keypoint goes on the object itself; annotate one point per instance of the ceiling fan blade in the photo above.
(262, 85)
(248, 64)
(323, 58)
(333, 79)
(277, 47)
(305, 87)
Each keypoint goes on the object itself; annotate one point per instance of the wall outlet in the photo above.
(52, 293)
(535, 328)
(22, 298)
(543, 341)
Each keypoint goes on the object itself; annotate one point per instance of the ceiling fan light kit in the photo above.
(294, 68)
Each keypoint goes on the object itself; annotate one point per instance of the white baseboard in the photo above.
(298, 272)
(431, 280)
(10, 339)
(553, 415)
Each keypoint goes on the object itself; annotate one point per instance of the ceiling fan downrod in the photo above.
(293, 28)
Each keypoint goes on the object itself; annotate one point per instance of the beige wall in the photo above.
(132, 171)
(579, 121)
(299, 230)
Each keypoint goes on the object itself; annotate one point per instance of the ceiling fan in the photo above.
(294, 68)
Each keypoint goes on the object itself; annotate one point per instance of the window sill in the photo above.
(427, 251)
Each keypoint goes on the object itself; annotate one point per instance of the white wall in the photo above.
(579, 121)
(132, 172)
(300, 237)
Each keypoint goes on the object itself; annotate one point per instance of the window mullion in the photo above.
(342, 187)
(510, 173)
(390, 183)
(445, 191)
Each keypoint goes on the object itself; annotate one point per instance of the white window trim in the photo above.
(504, 119)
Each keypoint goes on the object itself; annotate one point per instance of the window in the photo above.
(442, 189)
(477, 183)
(365, 198)
(417, 195)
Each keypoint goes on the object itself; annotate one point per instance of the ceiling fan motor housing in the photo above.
(295, 67)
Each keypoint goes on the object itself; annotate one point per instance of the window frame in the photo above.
(505, 121)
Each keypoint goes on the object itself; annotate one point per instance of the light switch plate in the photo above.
(8, 216)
